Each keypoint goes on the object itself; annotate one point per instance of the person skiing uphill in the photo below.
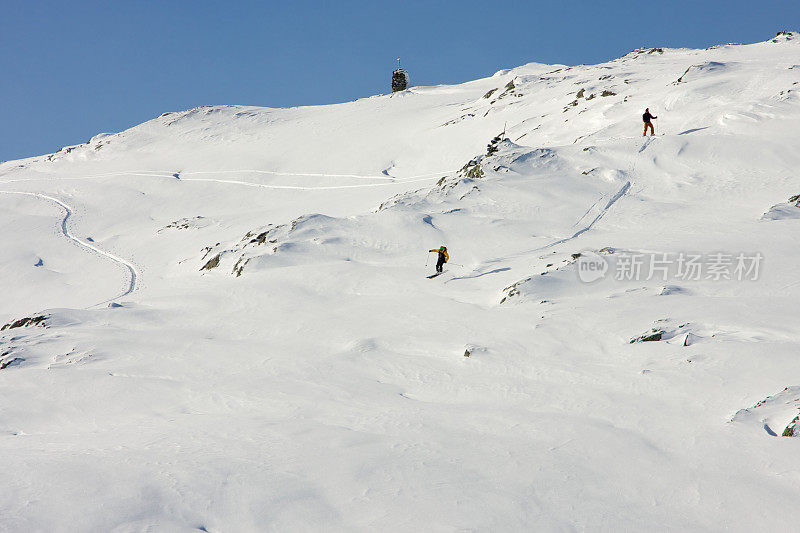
(647, 124)
(443, 257)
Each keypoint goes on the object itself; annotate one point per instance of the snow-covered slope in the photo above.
(233, 329)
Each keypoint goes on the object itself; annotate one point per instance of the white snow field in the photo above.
(238, 333)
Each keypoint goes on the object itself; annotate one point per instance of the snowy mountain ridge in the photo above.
(220, 319)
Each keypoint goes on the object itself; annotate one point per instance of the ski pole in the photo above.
(427, 258)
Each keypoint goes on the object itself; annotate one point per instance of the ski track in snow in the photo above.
(387, 180)
(297, 187)
(65, 231)
(614, 199)
(625, 188)
(134, 275)
(620, 193)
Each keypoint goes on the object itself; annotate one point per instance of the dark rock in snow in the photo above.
(652, 336)
(10, 362)
(185, 223)
(26, 322)
(511, 291)
(471, 170)
(792, 430)
(238, 268)
(212, 263)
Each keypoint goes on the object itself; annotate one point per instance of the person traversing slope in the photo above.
(443, 257)
(647, 117)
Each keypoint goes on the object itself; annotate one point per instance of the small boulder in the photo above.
(212, 263)
(651, 336)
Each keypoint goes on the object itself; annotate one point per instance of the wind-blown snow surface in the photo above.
(311, 377)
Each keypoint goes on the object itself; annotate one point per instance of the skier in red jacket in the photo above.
(647, 124)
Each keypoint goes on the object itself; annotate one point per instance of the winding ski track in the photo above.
(385, 180)
(134, 275)
(161, 174)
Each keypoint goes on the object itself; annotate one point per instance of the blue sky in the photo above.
(70, 70)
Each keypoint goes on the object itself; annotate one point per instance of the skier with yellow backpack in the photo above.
(442, 258)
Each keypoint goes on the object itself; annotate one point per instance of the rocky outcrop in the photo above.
(212, 263)
(771, 413)
(471, 170)
(186, 223)
(783, 211)
(792, 430)
(6, 362)
(31, 321)
(681, 333)
(651, 336)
